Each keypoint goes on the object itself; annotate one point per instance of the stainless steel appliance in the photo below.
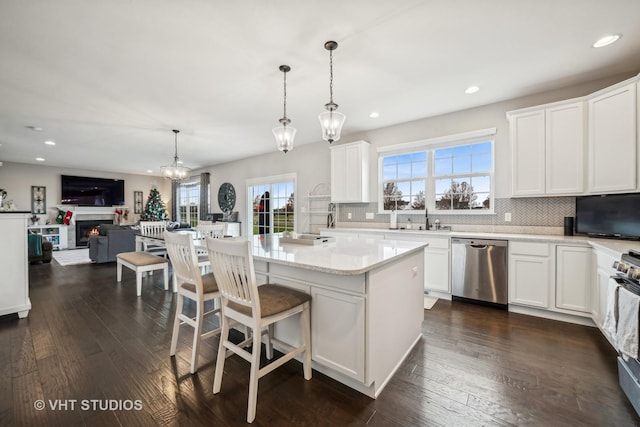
(628, 278)
(479, 270)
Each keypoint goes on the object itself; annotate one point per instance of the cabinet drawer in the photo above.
(529, 248)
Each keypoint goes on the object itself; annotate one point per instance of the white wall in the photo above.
(17, 179)
(312, 162)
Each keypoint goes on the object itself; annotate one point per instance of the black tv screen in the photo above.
(87, 191)
(612, 215)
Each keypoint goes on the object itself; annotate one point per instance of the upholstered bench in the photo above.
(141, 262)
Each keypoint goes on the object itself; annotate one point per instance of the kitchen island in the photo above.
(367, 302)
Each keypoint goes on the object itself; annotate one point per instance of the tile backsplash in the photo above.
(543, 215)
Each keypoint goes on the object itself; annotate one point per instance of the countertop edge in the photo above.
(342, 272)
(615, 246)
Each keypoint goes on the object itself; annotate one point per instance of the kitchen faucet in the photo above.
(426, 219)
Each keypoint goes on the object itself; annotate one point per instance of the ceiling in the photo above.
(109, 80)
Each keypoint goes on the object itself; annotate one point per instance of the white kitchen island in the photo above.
(366, 307)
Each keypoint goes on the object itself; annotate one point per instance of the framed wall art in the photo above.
(38, 199)
(137, 202)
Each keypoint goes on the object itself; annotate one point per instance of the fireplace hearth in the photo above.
(87, 228)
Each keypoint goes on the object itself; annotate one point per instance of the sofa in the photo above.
(111, 240)
(45, 252)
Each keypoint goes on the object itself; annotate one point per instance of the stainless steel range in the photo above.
(628, 277)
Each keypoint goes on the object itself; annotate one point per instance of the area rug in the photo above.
(429, 302)
(72, 256)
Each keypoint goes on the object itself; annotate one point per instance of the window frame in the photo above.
(430, 146)
(271, 180)
(193, 182)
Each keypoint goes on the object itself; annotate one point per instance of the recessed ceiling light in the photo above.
(472, 89)
(607, 40)
(374, 115)
(50, 142)
(149, 171)
(34, 128)
(40, 159)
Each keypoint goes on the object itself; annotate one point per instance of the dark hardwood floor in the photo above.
(89, 338)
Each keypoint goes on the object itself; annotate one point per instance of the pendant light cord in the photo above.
(285, 97)
(331, 76)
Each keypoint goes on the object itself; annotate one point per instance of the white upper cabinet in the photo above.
(350, 173)
(613, 141)
(527, 151)
(565, 130)
(548, 150)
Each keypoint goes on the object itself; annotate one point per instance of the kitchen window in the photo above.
(452, 174)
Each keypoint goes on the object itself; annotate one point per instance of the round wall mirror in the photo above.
(226, 197)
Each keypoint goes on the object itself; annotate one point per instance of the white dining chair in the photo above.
(258, 308)
(153, 228)
(193, 285)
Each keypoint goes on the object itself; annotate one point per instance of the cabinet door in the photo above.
(564, 148)
(337, 331)
(338, 174)
(350, 173)
(528, 153)
(436, 270)
(573, 278)
(612, 141)
(529, 278)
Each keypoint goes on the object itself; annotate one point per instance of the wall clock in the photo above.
(226, 197)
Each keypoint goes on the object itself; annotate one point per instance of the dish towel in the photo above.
(34, 244)
(627, 334)
(609, 323)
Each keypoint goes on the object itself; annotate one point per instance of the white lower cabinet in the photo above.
(337, 324)
(529, 274)
(437, 265)
(573, 278)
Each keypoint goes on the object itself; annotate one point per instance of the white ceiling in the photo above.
(108, 80)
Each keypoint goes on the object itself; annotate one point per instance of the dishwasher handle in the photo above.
(479, 246)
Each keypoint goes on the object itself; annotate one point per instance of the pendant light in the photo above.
(175, 171)
(284, 134)
(331, 121)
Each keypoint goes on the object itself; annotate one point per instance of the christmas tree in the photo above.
(154, 209)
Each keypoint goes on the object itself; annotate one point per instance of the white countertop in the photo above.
(615, 246)
(345, 256)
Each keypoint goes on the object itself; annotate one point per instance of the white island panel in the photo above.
(366, 306)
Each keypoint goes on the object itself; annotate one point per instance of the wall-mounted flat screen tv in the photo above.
(611, 215)
(88, 191)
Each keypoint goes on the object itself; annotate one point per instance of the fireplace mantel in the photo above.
(91, 210)
(84, 213)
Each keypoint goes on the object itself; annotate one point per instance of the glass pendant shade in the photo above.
(331, 123)
(175, 171)
(284, 137)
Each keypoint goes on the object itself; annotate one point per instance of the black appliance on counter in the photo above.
(611, 215)
(628, 278)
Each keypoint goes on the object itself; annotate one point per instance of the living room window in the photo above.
(451, 174)
(189, 202)
(272, 204)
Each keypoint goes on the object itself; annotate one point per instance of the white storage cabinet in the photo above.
(573, 278)
(350, 172)
(530, 274)
(547, 146)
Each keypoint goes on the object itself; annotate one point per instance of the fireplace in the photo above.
(87, 228)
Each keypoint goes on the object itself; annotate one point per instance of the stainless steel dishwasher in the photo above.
(479, 270)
